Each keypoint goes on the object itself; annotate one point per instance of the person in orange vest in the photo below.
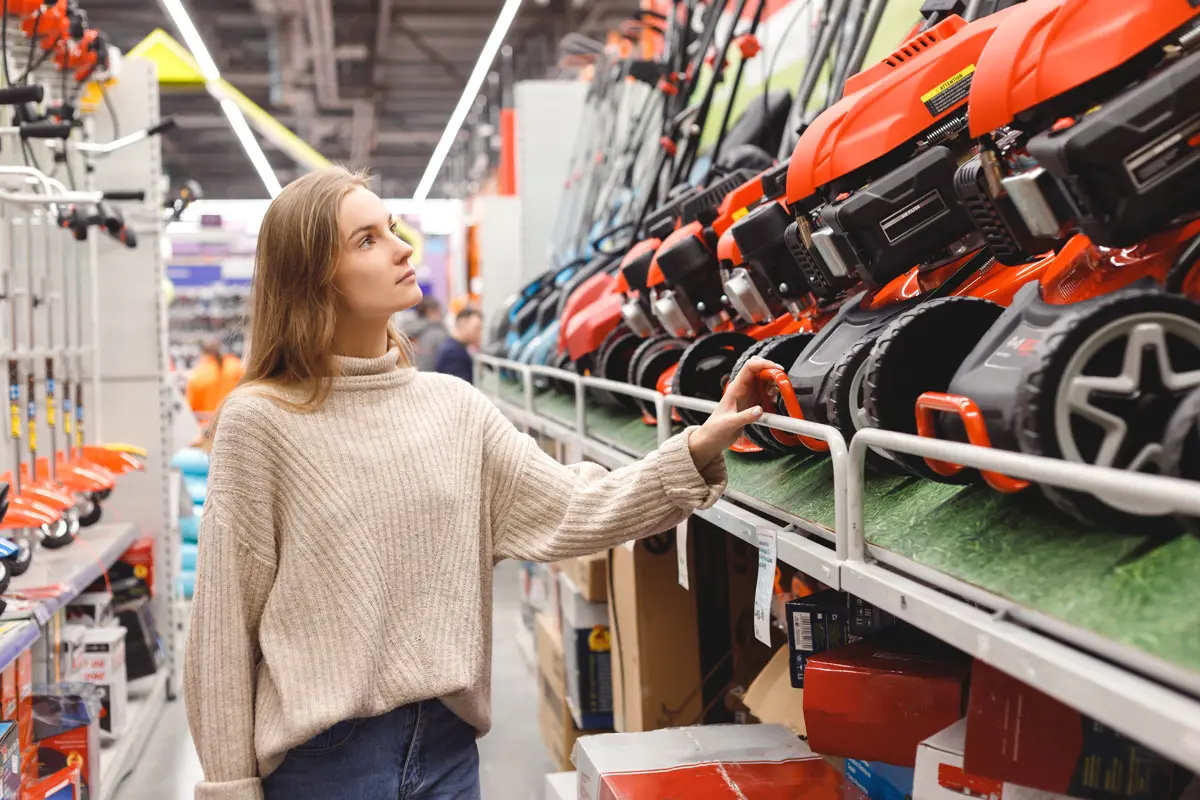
(204, 382)
(231, 374)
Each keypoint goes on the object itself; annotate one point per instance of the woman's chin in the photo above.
(410, 295)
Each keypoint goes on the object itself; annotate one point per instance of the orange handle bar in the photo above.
(977, 434)
(776, 376)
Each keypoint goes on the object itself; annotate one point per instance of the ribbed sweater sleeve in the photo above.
(235, 573)
(545, 511)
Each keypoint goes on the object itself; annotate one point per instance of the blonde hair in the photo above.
(293, 294)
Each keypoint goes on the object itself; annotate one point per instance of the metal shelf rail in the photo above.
(1142, 696)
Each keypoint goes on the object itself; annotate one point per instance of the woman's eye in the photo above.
(366, 242)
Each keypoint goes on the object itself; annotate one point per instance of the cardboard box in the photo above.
(749, 655)
(91, 609)
(555, 724)
(104, 666)
(8, 693)
(25, 680)
(29, 764)
(560, 786)
(772, 698)
(10, 762)
(590, 574)
(877, 699)
(879, 781)
(587, 658)
(65, 784)
(549, 645)
(655, 643)
(764, 762)
(71, 652)
(1019, 735)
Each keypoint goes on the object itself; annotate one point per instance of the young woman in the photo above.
(340, 642)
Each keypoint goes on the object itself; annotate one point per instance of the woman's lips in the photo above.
(408, 276)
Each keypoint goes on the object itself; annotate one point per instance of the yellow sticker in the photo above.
(949, 92)
(598, 639)
(741, 212)
(141, 572)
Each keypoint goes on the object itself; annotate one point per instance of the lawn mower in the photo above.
(1091, 152)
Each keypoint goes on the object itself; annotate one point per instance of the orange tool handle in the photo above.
(977, 434)
(776, 376)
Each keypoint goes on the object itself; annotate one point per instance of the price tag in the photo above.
(681, 553)
(766, 583)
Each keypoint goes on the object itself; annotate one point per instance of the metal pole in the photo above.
(14, 386)
(865, 39)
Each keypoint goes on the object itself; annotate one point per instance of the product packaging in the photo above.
(141, 647)
(590, 574)
(879, 781)
(555, 723)
(67, 731)
(587, 658)
(875, 700)
(66, 784)
(92, 609)
(655, 642)
(560, 786)
(1019, 735)
(764, 762)
(8, 693)
(771, 697)
(104, 667)
(10, 762)
(827, 620)
(25, 681)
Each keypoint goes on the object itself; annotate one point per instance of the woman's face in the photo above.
(373, 277)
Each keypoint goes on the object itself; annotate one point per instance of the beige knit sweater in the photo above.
(346, 555)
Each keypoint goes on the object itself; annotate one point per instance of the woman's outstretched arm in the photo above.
(542, 510)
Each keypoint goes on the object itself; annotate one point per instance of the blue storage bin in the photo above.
(189, 529)
(197, 488)
(191, 461)
(187, 584)
(189, 557)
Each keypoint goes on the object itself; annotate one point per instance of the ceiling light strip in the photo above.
(208, 68)
(486, 56)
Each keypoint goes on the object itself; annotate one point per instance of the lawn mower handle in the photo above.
(774, 376)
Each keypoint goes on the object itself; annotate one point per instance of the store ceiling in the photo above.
(375, 91)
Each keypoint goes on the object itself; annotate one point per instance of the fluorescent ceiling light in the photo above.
(507, 14)
(191, 37)
(257, 157)
(208, 69)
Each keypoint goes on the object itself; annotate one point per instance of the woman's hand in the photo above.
(737, 409)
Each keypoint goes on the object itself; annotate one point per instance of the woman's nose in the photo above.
(403, 250)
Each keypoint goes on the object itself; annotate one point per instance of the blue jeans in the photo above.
(420, 751)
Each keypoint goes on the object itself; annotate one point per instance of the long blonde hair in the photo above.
(293, 295)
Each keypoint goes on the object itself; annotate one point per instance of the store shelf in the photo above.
(1093, 617)
(56, 577)
(147, 699)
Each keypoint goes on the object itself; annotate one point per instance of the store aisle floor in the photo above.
(512, 757)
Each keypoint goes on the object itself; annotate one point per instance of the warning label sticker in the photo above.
(949, 92)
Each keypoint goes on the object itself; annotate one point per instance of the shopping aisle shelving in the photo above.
(1146, 696)
(147, 699)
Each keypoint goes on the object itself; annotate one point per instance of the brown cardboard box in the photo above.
(750, 656)
(550, 654)
(655, 643)
(556, 724)
(590, 574)
(771, 697)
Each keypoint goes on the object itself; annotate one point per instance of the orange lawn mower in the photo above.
(1095, 151)
(871, 188)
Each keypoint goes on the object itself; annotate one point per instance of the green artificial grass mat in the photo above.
(1015, 546)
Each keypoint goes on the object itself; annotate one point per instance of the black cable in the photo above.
(4, 42)
(787, 31)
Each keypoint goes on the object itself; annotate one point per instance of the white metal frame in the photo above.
(1152, 701)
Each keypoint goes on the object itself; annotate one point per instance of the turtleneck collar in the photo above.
(366, 373)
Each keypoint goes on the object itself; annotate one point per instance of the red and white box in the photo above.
(710, 762)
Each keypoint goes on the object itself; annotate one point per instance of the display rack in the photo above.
(831, 525)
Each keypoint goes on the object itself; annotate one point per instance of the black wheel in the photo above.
(18, 564)
(57, 534)
(652, 358)
(91, 514)
(843, 401)
(564, 363)
(705, 368)
(783, 350)
(102, 495)
(1181, 448)
(595, 368)
(1107, 379)
(920, 352)
(614, 362)
(5, 576)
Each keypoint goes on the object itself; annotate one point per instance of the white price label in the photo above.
(681, 553)
(766, 583)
